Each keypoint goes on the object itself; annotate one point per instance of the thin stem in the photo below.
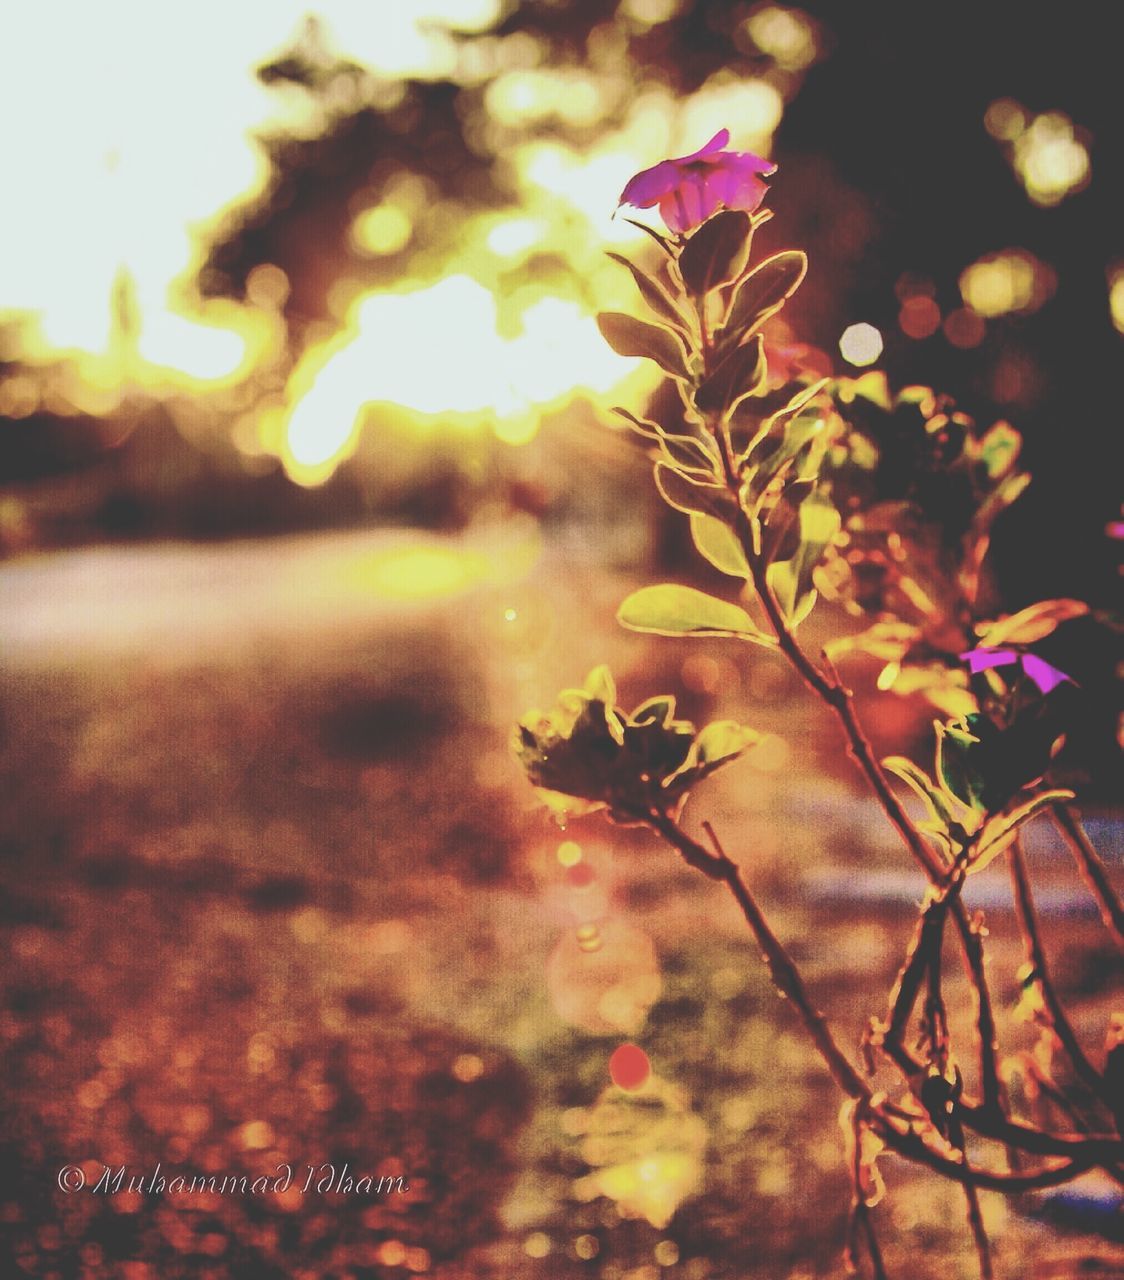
(831, 690)
(979, 1232)
(1036, 955)
(1081, 1153)
(1051, 1091)
(1091, 869)
(913, 1147)
(781, 968)
(903, 998)
(861, 1221)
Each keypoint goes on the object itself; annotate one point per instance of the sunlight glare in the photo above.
(437, 351)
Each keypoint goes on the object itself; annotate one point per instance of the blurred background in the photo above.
(308, 487)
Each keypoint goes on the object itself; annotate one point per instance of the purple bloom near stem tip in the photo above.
(691, 188)
(1037, 669)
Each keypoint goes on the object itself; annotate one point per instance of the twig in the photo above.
(1103, 1150)
(1080, 1153)
(1036, 955)
(979, 1232)
(903, 997)
(1091, 869)
(861, 1221)
(781, 968)
(831, 690)
(913, 1147)
(972, 944)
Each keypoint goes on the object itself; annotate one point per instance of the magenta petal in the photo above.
(691, 188)
(649, 186)
(721, 187)
(750, 164)
(749, 194)
(983, 659)
(1045, 676)
(671, 212)
(690, 202)
(717, 143)
(698, 198)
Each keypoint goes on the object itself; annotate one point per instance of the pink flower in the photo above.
(690, 189)
(1037, 669)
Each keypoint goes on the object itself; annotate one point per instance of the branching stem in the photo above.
(1036, 956)
(831, 690)
(1091, 869)
(784, 973)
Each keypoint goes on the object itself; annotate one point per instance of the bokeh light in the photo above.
(1014, 281)
(860, 344)
(629, 1067)
(1116, 297)
(1048, 152)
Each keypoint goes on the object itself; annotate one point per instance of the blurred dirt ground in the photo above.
(273, 892)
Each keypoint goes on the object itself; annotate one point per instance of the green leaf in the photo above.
(718, 543)
(740, 374)
(1035, 622)
(660, 710)
(781, 578)
(768, 426)
(998, 832)
(936, 801)
(631, 337)
(641, 426)
(654, 295)
(888, 641)
(684, 493)
(688, 452)
(655, 235)
(791, 580)
(798, 433)
(717, 252)
(722, 740)
(954, 765)
(999, 499)
(999, 448)
(599, 685)
(672, 610)
(763, 292)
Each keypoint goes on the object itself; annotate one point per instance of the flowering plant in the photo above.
(691, 188)
(797, 489)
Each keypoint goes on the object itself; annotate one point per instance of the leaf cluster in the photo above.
(586, 753)
(745, 480)
(976, 799)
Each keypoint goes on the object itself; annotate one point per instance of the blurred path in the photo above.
(100, 601)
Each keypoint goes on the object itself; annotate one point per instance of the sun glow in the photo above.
(482, 317)
(437, 351)
(98, 187)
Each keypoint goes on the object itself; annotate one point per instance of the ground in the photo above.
(276, 895)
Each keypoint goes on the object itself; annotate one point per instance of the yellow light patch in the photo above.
(421, 572)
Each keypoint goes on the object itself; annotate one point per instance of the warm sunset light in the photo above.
(559, 701)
